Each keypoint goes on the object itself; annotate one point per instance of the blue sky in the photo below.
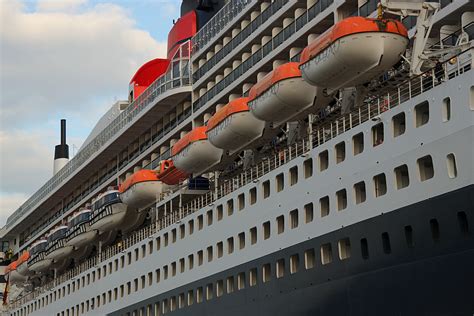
(66, 59)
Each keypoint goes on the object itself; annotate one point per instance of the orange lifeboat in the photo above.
(140, 189)
(194, 153)
(22, 264)
(281, 94)
(12, 274)
(234, 126)
(353, 51)
(169, 174)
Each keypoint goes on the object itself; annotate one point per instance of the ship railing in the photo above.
(79, 229)
(174, 78)
(325, 129)
(221, 19)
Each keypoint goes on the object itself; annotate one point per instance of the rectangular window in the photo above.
(434, 229)
(309, 259)
(182, 231)
(219, 288)
(422, 114)
(253, 196)
(157, 275)
(230, 245)
(181, 265)
(463, 223)
(266, 230)
(242, 240)
(241, 281)
(209, 291)
(377, 134)
(200, 255)
(150, 278)
(293, 175)
(266, 189)
(173, 268)
(220, 212)
(280, 268)
(323, 158)
(191, 227)
(209, 253)
(230, 207)
(402, 179)
(200, 220)
(253, 235)
(309, 212)
(199, 295)
(220, 249)
(294, 263)
(324, 205)
(241, 199)
(230, 285)
(143, 281)
(143, 251)
(358, 143)
(340, 152)
(181, 300)
(308, 168)
(191, 261)
(446, 109)
(190, 297)
(398, 124)
(341, 199)
(266, 273)
(380, 185)
(166, 238)
(452, 168)
(280, 224)
(209, 218)
(150, 247)
(359, 192)
(294, 219)
(280, 184)
(326, 253)
(387, 248)
(344, 247)
(409, 236)
(425, 168)
(253, 277)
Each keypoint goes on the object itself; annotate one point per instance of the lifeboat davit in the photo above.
(12, 274)
(234, 126)
(57, 248)
(37, 261)
(169, 174)
(353, 52)
(194, 153)
(22, 264)
(141, 189)
(281, 94)
(79, 232)
(108, 212)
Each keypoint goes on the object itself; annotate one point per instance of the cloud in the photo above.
(55, 60)
(9, 203)
(61, 6)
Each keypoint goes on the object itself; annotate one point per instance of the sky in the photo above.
(67, 59)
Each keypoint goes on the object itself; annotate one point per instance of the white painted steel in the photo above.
(142, 194)
(197, 157)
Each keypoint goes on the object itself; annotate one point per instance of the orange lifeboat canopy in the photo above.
(361, 54)
(233, 126)
(138, 177)
(194, 154)
(11, 267)
(169, 174)
(23, 258)
(286, 94)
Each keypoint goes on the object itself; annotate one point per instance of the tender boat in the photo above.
(108, 211)
(281, 94)
(234, 126)
(12, 274)
(141, 189)
(37, 261)
(194, 153)
(169, 174)
(353, 52)
(57, 248)
(22, 264)
(79, 232)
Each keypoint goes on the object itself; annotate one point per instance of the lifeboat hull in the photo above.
(41, 265)
(354, 60)
(60, 253)
(236, 131)
(113, 220)
(84, 239)
(284, 100)
(197, 157)
(15, 277)
(142, 194)
(23, 269)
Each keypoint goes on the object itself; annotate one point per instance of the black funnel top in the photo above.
(62, 150)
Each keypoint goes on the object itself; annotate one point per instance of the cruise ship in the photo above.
(298, 157)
